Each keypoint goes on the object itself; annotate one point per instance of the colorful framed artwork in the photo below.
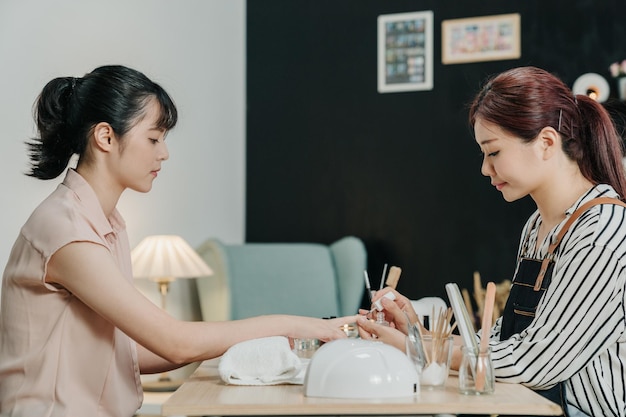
(487, 38)
(405, 52)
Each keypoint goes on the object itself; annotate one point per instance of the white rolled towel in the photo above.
(264, 361)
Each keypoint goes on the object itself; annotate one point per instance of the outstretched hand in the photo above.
(331, 329)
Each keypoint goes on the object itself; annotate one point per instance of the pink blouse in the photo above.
(57, 356)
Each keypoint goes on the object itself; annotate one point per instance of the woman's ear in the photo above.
(103, 132)
(549, 141)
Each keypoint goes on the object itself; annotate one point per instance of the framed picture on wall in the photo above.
(487, 38)
(405, 52)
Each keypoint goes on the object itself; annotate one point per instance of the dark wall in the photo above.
(329, 156)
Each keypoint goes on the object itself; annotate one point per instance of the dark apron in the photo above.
(520, 309)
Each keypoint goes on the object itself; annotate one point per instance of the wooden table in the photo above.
(204, 393)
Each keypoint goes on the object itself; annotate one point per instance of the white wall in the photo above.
(196, 50)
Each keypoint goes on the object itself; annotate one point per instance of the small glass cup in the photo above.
(412, 351)
(437, 354)
(476, 375)
(305, 348)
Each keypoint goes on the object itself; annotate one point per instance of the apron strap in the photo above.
(575, 215)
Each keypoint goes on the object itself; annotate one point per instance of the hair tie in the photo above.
(71, 89)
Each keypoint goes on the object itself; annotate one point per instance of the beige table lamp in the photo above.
(163, 259)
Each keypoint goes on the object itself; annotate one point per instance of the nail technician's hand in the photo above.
(369, 330)
(396, 314)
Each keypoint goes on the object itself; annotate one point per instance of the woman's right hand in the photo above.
(323, 329)
(396, 311)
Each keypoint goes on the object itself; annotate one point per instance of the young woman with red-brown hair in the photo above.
(563, 331)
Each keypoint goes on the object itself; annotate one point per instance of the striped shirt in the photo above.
(578, 334)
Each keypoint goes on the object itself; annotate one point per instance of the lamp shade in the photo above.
(166, 258)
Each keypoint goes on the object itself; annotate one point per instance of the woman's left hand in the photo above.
(397, 314)
(370, 330)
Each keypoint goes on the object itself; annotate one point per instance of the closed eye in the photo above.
(494, 153)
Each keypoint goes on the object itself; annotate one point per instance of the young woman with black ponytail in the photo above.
(75, 333)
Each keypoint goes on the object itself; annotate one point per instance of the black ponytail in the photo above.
(51, 152)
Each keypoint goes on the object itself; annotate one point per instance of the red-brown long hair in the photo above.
(524, 100)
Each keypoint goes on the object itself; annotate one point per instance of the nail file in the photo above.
(490, 298)
(393, 277)
(466, 329)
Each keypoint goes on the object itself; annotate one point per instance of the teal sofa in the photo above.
(308, 279)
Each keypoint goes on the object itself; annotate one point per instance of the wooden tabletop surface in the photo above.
(204, 393)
